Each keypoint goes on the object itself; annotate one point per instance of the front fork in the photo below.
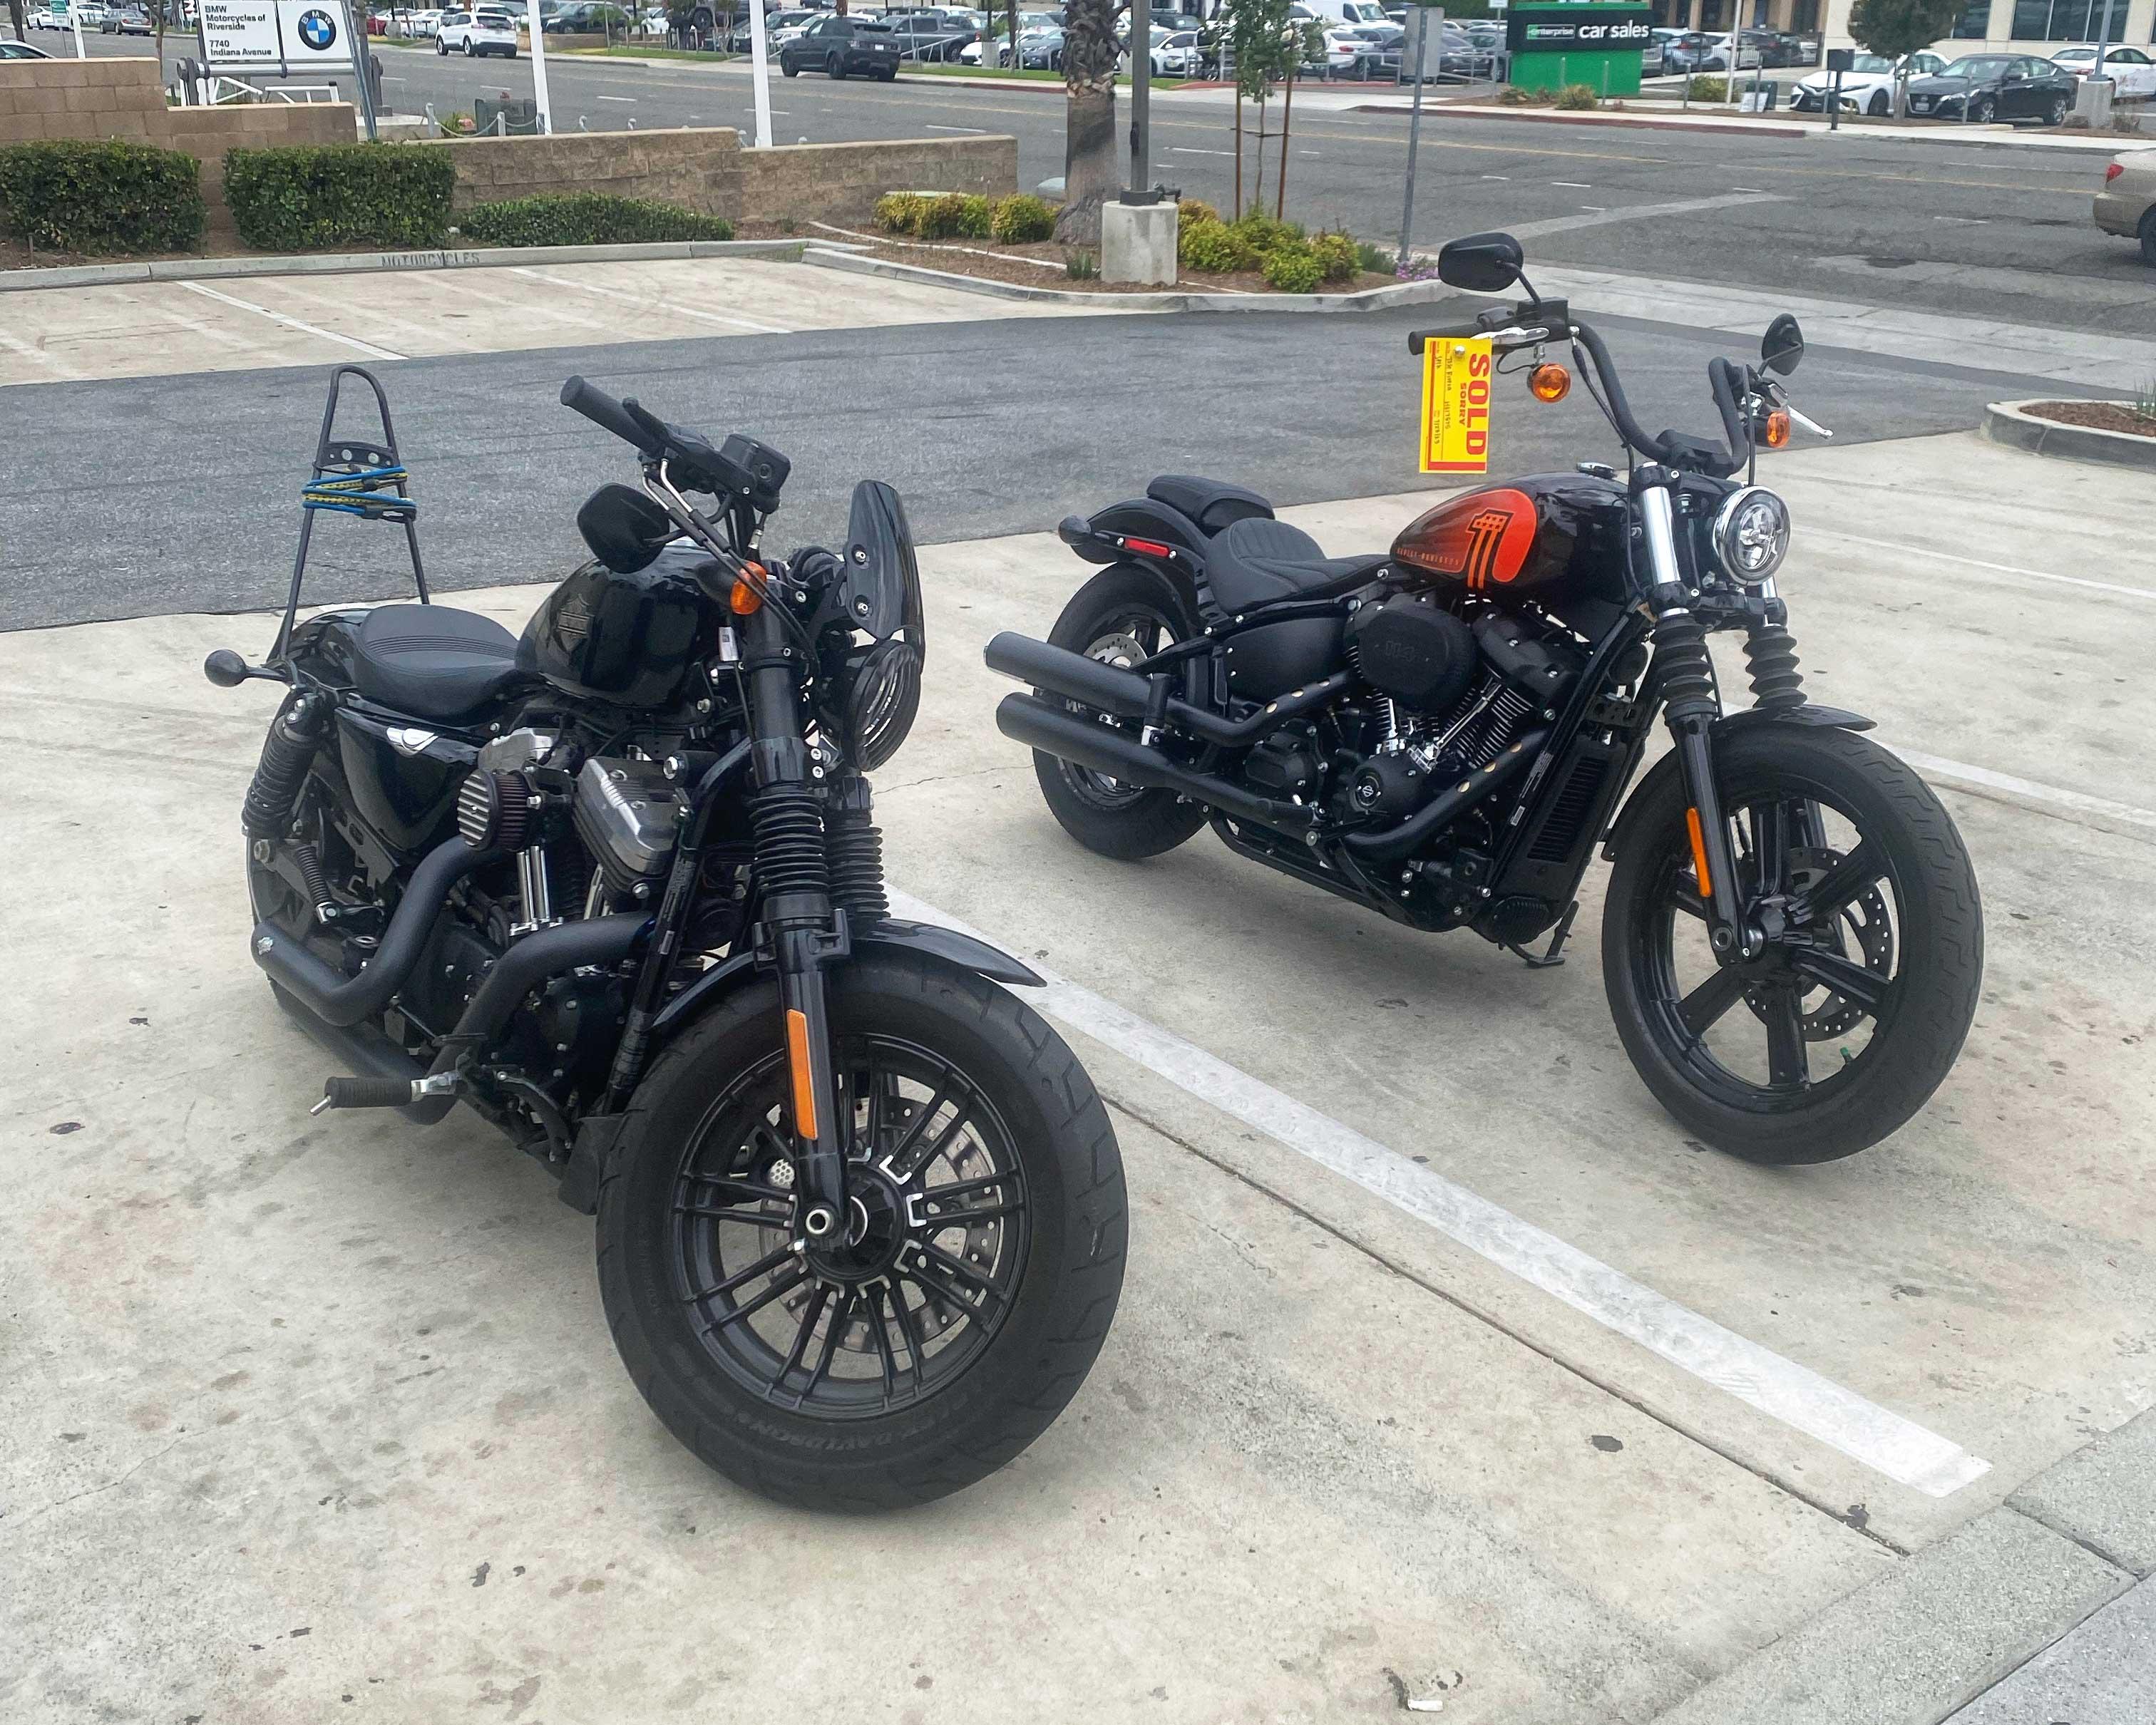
(1690, 704)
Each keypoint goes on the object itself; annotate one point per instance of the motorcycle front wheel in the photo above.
(980, 1271)
(1852, 1011)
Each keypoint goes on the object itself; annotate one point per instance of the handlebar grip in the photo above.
(604, 411)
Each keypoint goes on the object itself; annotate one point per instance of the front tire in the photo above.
(2148, 238)
(990, 1251)
(1880, 106)
(1821, 820)
(1121, 616)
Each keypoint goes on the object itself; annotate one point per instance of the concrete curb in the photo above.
(2005, 422)
(16, 281)
(2002, 139)
(1926, 1639)
(1407, 293)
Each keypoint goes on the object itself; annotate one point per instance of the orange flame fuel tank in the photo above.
(1550, 537)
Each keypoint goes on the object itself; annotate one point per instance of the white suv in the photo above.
(477, 33)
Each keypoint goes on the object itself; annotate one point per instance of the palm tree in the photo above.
(1090, 174)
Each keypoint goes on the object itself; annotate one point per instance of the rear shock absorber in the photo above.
(295, 734)
(854, 848)
(1770, 654)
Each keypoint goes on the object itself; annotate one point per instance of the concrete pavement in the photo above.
(307, 1410)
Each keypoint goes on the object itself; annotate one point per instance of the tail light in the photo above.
(2113, 171)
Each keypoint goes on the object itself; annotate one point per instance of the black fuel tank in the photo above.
(629, 639)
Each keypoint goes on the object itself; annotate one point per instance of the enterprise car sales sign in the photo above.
(1576, 29)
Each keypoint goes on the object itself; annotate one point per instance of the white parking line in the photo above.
(1573, 184)
(1948, 556)
(36, 356)
(970, 131)
(587, 287)
(1983, 779)
(1794, 1394)
(293, 323)
(614, 99)
(1186, 150)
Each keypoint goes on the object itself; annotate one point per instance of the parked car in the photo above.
(424, 25)
(1984, 87)
(781, 27)
(472, 33)
(1041, 47)
(22, 51)
(843, 47)
(1867, 88)
(1650, 56)
(2133, 74)
(1696, 51)
(91, 13)
(2127, 205)
(127, 21)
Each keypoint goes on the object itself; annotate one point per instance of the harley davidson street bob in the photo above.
(1791, 939)
(615, 887)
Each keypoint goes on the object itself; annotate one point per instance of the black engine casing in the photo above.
(1423, 657)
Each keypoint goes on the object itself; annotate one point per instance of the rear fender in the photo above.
(1728, 725)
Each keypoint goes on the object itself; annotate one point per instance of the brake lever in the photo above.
(1780, 396)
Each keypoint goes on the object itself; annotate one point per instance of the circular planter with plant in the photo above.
(2123, 433)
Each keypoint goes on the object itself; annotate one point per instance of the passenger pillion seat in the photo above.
(433, 661)
(1257, 559)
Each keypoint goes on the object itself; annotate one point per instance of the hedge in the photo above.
(1021, 219)
(587, 218)
(108, 196)
(304, 196)
(1293, 270)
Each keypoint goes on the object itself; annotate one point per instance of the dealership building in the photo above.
(2037, 27)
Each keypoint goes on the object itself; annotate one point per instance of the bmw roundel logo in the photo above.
(317, 30)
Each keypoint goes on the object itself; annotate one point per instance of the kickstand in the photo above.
(1552, 955)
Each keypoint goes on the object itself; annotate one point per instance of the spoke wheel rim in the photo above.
(1127, 637)
(935, 1252)
(1780, 997)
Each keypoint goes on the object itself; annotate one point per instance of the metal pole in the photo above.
(357, 38)
(1141, 104)
(74, 17)
(1414, 131)
(2102, 40)
(759, 70)
(537, 26)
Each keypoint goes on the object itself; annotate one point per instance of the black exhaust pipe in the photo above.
(342, 1000)
(1397, 841)
(600, 941)
(1086, 742)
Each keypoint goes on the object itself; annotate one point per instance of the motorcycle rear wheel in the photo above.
(1768, 1058)
(1121, 616)
(983, 1264)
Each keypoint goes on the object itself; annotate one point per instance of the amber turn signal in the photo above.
(1550, 382)
(1777, 429)
(747, 599)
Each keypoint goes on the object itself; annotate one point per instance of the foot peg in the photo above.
(383, 1093)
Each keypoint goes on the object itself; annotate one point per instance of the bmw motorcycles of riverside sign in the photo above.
(291, 38)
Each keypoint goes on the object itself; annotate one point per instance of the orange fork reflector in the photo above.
(805, 1086)
(1698, 856)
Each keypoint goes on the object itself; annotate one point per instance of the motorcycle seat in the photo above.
(1257, 560)
(1211, 504)
(432, 661)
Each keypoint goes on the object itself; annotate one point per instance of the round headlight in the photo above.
(882, 695)
(1752, 535)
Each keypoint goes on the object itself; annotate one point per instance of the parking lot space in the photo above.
(334, 1404)
(169, 328)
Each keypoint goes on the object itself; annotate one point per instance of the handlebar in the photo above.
(1725, 378)
(640, 429)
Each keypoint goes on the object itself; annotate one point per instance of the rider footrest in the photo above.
(343, 1092)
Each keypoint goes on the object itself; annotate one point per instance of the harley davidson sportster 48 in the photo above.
(1791, 938)
(615, 887)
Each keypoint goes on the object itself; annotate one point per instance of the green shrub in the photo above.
(976, 215)
(898, 211)
(1513, 96)
(939, 217)
(1082, 266)
(110, 197)
(1293, 270)
(1191, 211)
(298, 197)
(1263, 234)
(1708, 90)
(1215, 248)
(587, 218)
(1021, 219)
(1336, 256)
(1577, 96)
(1374, 259)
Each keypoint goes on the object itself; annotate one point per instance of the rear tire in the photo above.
(2056, 114)
(1127, 822)
(2148, 238)
(860, 1434)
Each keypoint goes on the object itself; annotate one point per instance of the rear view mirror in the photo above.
(1481, 263)
(1783, 346)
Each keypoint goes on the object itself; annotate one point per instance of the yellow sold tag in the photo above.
(1455, 404)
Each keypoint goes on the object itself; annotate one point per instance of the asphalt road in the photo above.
(128, 509)
(2000, 233)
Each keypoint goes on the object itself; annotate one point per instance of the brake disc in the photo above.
(1861, 928)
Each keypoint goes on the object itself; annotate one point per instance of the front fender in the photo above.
(890, 933)
(1749, 718)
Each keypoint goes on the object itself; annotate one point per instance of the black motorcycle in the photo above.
(616, 886)
(1791, 939)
